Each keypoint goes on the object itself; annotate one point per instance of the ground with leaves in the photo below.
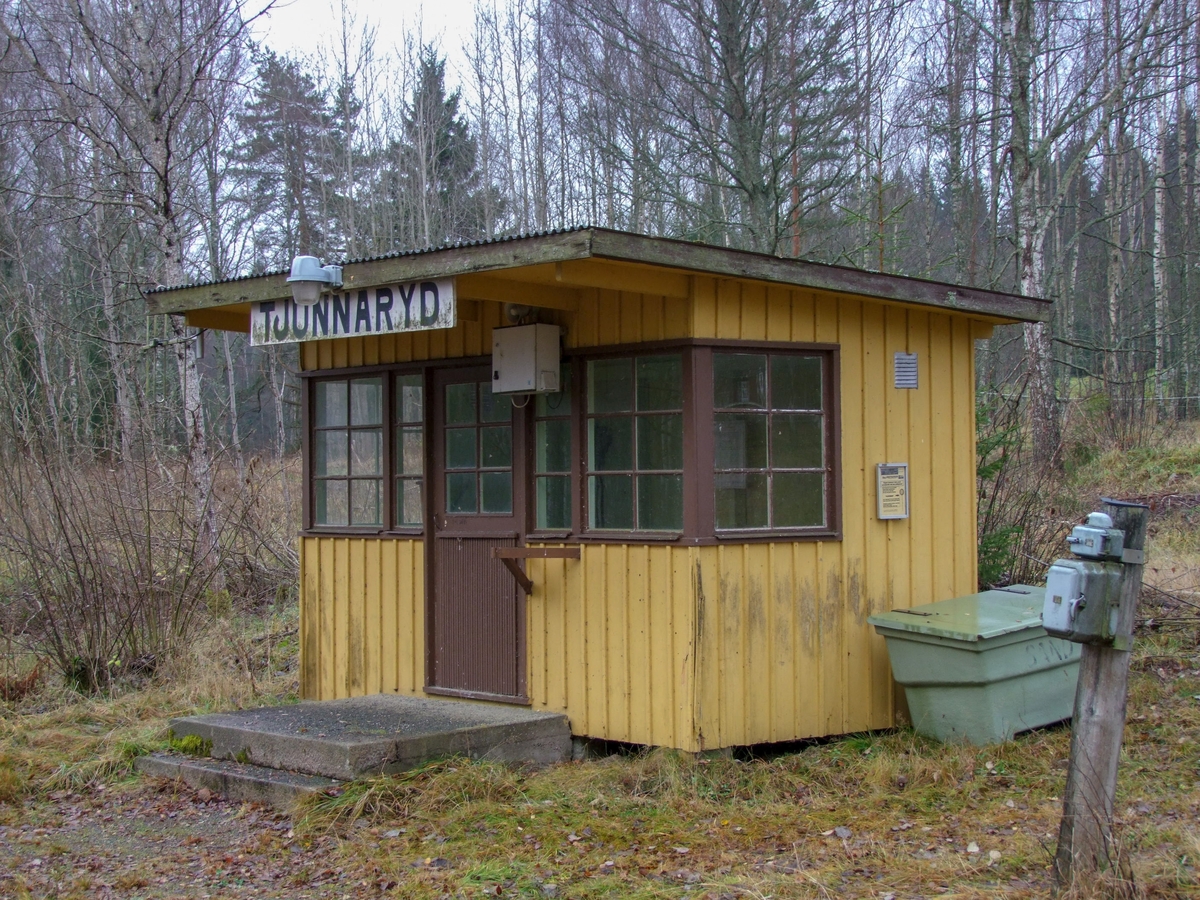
(864, 816)
(887, 815)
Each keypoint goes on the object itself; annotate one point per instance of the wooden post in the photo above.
(1085, 843)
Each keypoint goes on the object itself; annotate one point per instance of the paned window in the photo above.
(478, 448)
(606, 454)
(769, 441)
(348, 452)
(552, 463)
(408, 453)
(635, 443)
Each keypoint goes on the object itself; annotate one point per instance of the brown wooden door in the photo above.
(476, 613)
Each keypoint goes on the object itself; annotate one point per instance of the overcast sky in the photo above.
(293, 25)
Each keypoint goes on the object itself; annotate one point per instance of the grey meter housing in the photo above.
(1083, 595)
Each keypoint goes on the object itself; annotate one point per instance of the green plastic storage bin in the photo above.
(980, 668)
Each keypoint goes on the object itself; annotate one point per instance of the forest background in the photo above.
(1046, 147)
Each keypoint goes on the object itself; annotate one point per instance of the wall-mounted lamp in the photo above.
(309, 278)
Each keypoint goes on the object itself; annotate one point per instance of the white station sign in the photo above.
(389, 309)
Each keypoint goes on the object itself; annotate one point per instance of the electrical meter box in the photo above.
(1096, 538)
(1082, 600)
(525, 359)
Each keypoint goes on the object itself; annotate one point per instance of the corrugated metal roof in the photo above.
(395, 254)
(619, 247)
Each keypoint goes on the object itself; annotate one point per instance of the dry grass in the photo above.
(865, 815)
(871, 815)
(57, 739)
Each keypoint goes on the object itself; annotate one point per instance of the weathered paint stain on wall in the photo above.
(702, 646)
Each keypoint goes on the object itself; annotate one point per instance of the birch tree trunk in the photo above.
(1161, 308)
(1016, 22)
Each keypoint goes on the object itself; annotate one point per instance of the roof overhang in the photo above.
(555, 266)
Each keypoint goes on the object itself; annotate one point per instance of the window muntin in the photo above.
(769, 441)
(553, 457)
(348, 452)
(635, 443)
(477, 455)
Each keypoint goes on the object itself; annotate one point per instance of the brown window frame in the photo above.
(391, 426)
(830, 451)
(535, 474)
(634, 472)
(699, 473)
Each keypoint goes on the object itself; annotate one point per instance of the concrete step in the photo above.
(234, 780)
(380, 734)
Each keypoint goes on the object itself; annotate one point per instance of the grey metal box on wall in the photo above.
(526, 359)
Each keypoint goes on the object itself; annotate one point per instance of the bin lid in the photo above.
(975, 617)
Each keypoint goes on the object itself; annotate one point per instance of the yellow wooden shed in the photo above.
(677, 534)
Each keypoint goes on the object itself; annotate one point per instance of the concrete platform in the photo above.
(380, 734)
(236, 781)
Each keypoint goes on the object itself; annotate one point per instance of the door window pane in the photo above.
(461, 493)
(460, 448)
(493, 408)
(460, 404)
(496, 488)
(496, 445)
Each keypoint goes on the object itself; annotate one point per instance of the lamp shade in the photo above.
(309, 277)
(306, 293)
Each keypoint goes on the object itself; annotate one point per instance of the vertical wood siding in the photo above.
(362, 617)
(711, 646)
(785, 650)
(611, 642)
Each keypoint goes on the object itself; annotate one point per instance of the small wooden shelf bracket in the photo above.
(510, 556)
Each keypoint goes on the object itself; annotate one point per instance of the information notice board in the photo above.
(892, 490)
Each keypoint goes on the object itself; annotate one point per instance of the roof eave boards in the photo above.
(679, 258)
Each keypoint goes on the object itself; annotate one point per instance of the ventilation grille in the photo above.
(906, 370)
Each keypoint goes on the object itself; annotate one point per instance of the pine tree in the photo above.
(289, 135)
(435, 179)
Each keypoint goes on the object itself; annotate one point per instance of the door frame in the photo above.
(437, 376)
